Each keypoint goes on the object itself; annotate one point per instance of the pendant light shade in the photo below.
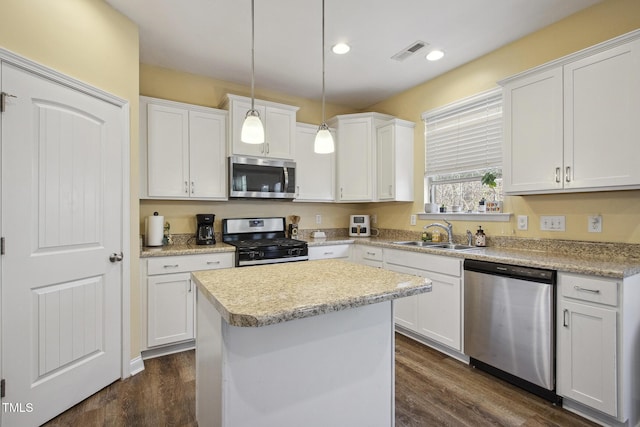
(323, 143)
(252, 129)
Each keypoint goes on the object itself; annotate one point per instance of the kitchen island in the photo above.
(304, 343)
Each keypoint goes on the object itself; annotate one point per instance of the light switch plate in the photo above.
(552, 223)
(594, 224)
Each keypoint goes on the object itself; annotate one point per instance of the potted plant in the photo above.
(489, 179)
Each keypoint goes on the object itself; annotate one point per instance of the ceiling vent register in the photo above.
(409, 50)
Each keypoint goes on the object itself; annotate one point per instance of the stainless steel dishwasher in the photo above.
(509, 324)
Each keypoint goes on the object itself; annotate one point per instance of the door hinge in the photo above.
(2, 388)
(1, 245)
(3, 100)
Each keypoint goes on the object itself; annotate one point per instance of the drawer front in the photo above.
(189, 263)
(438, 263)
(326, 252)
(587, 288)
(371, 253)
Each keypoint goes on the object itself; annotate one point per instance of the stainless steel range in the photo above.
(262, 241)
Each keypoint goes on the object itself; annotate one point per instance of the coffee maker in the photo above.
(204, 229)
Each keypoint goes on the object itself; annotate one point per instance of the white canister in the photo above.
(154, 229)
(431, 207)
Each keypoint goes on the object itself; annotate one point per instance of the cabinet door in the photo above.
(279, 133)
(238, 112)
(167, 151)
(327, 252)
(386, 155)
(355, 160)
(533, 128)
(586, 356)
(207, 155)
(602, 130)
(314, 172)
(439, 311)
(405, 310)
(170, 309)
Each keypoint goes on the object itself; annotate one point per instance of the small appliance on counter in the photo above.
(293, 226)
(360, 226)
(204, 229)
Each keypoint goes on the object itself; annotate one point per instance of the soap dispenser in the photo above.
(481, 238)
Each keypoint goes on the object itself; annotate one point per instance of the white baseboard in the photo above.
(136, 365)
(168, 349)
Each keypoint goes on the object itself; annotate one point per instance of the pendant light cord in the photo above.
(323, 120)
(253, 52)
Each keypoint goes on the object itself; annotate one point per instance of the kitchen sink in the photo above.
(418, 243)
(436, 245)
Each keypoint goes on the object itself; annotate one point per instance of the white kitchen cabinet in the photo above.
(342, 251)
(315, 173)
(368, 255)
(572, 125)
(169, 295)
(597, 332)
(394, 152)
(182, 151)
(279, 121)
(436, 315)
(356, 155)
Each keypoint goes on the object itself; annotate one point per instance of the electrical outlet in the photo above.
(523, 222)
(552, 223)
(374, 219)
(413, 220)
(594, 224)
(318, 219)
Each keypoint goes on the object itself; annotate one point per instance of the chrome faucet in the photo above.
(448, 228)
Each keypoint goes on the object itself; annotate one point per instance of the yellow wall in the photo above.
(183, 87)
(620, 210)
(90, 41)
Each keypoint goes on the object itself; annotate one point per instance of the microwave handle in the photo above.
(286, 178)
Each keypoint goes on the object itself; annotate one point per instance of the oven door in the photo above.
(251, 177)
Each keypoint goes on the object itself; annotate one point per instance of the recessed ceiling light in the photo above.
(434, 55)
(341, 48)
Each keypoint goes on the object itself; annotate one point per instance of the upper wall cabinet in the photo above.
(182, 151)
(572, 125)
(279, 121)
(357, 156)
(394, 152)
(315, 173)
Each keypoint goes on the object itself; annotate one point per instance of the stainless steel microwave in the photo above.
(252, 177)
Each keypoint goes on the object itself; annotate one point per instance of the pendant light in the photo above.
(323, 143)
(252, 129)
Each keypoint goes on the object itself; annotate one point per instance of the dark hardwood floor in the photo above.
(431, 390)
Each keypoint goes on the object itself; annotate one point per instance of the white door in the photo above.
(62, 198)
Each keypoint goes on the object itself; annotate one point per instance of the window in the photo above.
(463, 143)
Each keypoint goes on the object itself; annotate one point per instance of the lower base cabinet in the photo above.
(168, 295)
(598, 325)
(330, 252)
(436, 315)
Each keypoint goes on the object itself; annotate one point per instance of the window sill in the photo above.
(466, 216)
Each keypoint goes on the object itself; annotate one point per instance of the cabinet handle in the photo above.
(581, 289)
(267, 148)
(371, 253)
(171, 266)
(340, 193)
(558, 175)
(565, 322)
(328, 253)
(193, 188)
(213, 262)
(297, 191)
(262, 148)
(390, 189)
(186, 187)
(567, 174)
(190, 285)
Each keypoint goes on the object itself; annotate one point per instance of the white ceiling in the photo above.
(213, 38)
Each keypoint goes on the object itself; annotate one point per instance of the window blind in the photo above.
(465, 136)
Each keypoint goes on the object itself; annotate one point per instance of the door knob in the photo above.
(116, 257)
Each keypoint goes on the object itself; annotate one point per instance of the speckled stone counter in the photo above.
(184, 249)
(268, 294)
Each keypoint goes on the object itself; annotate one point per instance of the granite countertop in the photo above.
(591, 259)
(268, 294)
(184, 249)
